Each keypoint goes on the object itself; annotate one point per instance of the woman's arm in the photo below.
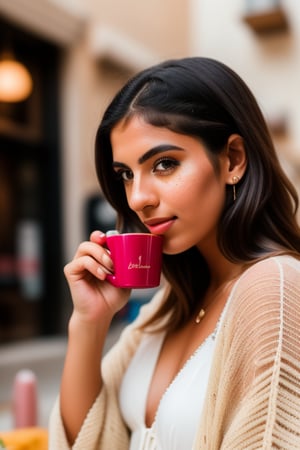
(81, 379)
(95, 303)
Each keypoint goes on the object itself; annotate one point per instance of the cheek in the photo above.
(198, 185)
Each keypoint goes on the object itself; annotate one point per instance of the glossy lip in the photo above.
(159, 225)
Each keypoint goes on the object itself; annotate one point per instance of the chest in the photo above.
(176, 350)
(179, 409)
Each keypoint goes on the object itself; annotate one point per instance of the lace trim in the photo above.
(193, 355)
(148, 441)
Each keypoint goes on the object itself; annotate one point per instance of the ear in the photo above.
(236, 157)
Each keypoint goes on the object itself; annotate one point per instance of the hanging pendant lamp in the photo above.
(15, 80)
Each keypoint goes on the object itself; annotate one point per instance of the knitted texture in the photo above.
(253, 395)
(254, 389)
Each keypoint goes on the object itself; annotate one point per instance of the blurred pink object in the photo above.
(25, 399)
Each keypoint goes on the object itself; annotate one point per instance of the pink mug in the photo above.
(137, 259)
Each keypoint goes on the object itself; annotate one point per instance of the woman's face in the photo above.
(170, 183)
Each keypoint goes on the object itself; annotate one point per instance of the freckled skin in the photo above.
(191, 190)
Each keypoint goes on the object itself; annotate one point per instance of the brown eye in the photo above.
(165, 165)
(124, 175)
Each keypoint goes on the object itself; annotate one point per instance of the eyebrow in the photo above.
(152, 152)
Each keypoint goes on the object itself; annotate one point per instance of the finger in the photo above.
(98, 237)
(80, 267)
(99, 253)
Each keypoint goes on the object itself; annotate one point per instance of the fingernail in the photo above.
(100, 236)
(107, 261)
(103, 270)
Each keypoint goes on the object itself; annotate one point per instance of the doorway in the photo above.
(30, 195)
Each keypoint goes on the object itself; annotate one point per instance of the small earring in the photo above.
(235, 180)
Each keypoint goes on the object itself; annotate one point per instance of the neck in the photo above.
(223, 275)
(219, 289)
(214, 299)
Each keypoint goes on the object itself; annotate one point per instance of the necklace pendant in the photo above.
(200, 315)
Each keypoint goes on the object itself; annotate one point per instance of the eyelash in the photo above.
(165, 159)
(122, 173)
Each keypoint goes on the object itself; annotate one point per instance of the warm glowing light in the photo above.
(15, 81)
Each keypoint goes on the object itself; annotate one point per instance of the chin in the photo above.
(173, 249)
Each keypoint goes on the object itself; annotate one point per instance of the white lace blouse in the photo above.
(179, 410)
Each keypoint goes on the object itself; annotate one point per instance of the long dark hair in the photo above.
(204, 98)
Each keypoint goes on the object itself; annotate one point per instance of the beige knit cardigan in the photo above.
(253, 395)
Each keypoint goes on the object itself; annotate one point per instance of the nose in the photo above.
(141, 194)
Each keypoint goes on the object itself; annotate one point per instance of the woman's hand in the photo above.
(93, 297)
(95, 301)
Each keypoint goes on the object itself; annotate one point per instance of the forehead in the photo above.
(136, 141)
(135, 133)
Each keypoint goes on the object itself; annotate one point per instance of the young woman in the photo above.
(212, 362)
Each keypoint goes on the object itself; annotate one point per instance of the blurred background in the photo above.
(69, 57)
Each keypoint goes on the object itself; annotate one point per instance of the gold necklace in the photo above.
(202, 311)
